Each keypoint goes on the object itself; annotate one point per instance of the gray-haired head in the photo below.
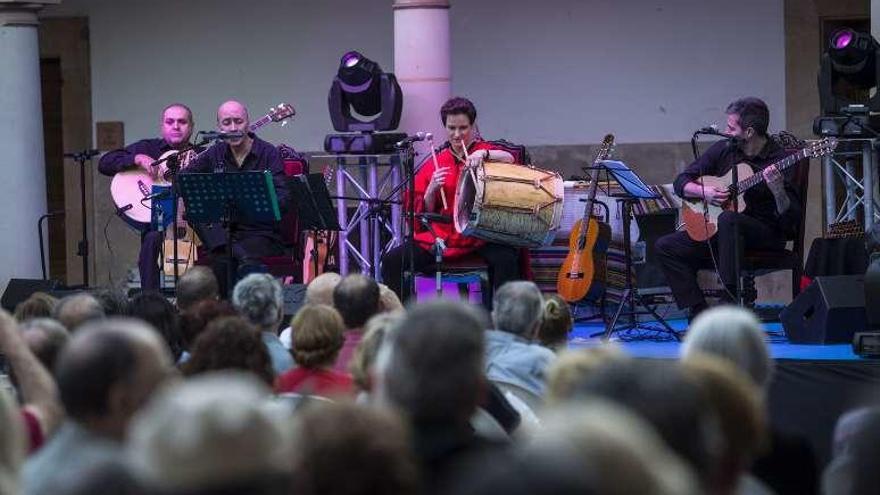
(518, 307)
(74, 310)
(197, 284)
(260, 300)
(735, 334)
(434, 369)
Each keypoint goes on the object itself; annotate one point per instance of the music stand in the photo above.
(227, 198)
(311, 201)
(634, 189)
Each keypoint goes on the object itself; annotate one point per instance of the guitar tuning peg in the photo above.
(284, 123)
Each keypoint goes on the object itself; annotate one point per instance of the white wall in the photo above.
(541, 72)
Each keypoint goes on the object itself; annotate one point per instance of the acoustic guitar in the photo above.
(701, 218)
(580, 275)
(319, 245)
(130, 188)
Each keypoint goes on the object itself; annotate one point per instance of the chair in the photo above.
(290, 263)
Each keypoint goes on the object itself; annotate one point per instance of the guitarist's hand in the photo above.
(773, 177)
(146, 162)
(717, 195)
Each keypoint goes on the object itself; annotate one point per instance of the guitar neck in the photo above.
(752, 181)
(260, 123)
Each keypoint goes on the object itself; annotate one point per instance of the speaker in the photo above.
(830, 310)
(20, 289)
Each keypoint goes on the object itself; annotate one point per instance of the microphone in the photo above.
(712, 130)
(213, 135)
(419, 136)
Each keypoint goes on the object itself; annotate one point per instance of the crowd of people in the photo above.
(357, 394)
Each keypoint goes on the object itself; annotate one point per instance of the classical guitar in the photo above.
(580, 274)
(130, 188)
(319, 245)
(701, 218)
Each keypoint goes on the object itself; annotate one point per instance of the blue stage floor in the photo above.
(650, 344)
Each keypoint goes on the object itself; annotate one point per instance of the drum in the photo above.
(509, 204)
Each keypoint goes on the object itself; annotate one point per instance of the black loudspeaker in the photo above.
(830, 310)
(20, 289)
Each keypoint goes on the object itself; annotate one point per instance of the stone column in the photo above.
(422, 63)
(22, 160)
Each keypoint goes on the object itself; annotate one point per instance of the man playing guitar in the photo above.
(435, 193)
(253, 240)
(176, 129)
(772, 213)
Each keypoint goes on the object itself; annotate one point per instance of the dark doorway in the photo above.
(50, 75)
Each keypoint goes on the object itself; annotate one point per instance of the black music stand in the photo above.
(633, 191)
(227, 198)
(311, 201)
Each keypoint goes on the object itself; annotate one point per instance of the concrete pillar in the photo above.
(422, 63)
(22, 162)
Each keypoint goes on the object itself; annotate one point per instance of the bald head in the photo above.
(232, 107)
(108, 370)
(320, 290)
(232, 116)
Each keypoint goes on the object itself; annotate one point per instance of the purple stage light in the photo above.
(842, 39)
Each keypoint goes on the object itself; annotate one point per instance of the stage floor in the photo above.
(812, 385)
(652, 344)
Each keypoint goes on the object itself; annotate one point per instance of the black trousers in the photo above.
(681, 257)
(503, 264)
(148, 259)
(247, 252)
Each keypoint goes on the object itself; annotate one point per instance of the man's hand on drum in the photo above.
(438, 178)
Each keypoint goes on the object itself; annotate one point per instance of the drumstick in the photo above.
(467, 158)
(434, 157)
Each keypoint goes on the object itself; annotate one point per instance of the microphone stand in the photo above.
(80, 158)
(439, 247)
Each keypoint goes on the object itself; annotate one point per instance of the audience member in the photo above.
(356, 297)
(41, 408)
(668, 400)
(318, 291)
(572, 367)
(365, 353)
(213, 434)
(259, 299)
(556, 323)
(74, 310)
(856, 449)
(12, 442)
(735, 334)
(38, 305)
(388, 300)
(512, 356)
(153, 308)
(106, 373)
(370, 446)
(230, 343)
(737, 405)
(197, 284)
(113, 300)
(432, 371)
(317, 339)
(194, 321)
(45, 338)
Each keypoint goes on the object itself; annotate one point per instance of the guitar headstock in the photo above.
(822, 147)
(605, 148)
(281, 112)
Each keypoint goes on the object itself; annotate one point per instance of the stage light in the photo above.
(848, 72)
(363, 98)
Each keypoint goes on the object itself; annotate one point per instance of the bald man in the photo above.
(176, 129)
(253, 240)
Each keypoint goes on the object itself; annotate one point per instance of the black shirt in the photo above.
(760, 203)
(119, 160)
(262, 156)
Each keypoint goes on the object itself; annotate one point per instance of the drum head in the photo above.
(465, 197)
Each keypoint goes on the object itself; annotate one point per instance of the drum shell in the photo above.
(509, 204)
